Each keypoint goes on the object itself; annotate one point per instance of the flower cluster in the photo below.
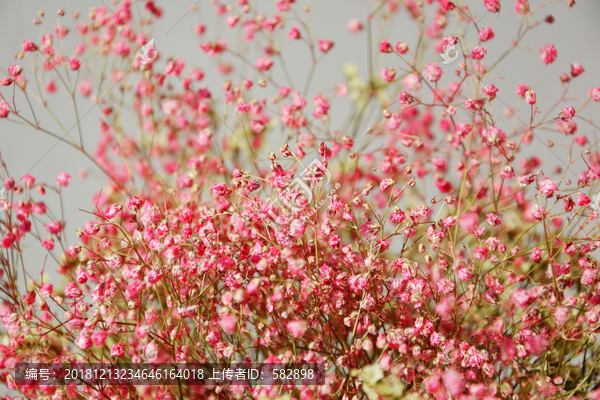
(481, 286)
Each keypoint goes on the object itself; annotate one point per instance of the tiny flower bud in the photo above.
(262, 83)
(450, 200)
(401, 48)
(60, 12)
(41, 13)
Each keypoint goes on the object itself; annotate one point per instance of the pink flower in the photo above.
(220, 189)
(264, 63)
(28, 45)
(74, 63)
(112, 210)
(412, 82)
(53, 227)
(401, 48)
(589, 277)
(480, 68)
(83, 341)
(134, 203)
(481, 253)
(73, 250)
(568, 126)
(28, 180)
(538, 212)
(232, 20)
(388, 74)
(454, 382)
(436, 338)
(46, 290)
(297, 328)
(85, 88)
(48, 244)
(567, 113)
(522, 89)
(354, 25)
(494, 136)
(294, 33)
(530, 97)
(4, 109)
(486, 34)
(229, 324)
(561, 314)
(439, 163)
(547, 187)
(405, 98)
(583, 200)
(386, 184)
(199, 29)
(98, 338)
(490, 91)
(15, 70)
(398, 216)
(493, 220)
(8, 240)
(521, 7)
(117, 350)
(548, 54)
(72, 290)
(473, 105)
(536, 254)
(325, 45)
(432, 72)
(335, 240)
(63, 179)
(492, 5)
(478, 52)
(50, 87)
(521, 298)
(61, 31)
(526, 180)
(576, 69)
(468, 221)
(463, 273)
(594, 93)
(385, 47)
